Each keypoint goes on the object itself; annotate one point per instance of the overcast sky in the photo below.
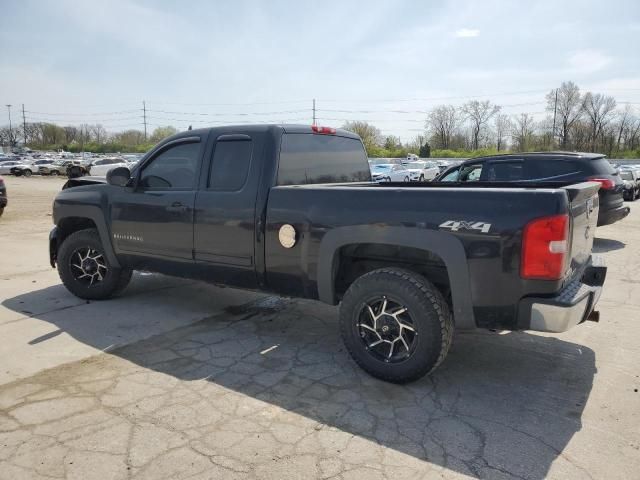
(76, 61)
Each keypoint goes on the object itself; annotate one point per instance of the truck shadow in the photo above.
(499, 404)
(602, 245)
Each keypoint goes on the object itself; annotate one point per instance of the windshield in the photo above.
(382, 167)
(416, 165)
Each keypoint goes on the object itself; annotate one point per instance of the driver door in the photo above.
(154, 219)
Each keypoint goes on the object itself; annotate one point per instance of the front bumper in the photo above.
(571, 306)
(53, 246)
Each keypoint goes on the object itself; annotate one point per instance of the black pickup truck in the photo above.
(292, 210)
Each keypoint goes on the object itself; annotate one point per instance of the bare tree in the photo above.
(599, 110)
(631, 133)
(70, 133)
(624, 118)
(479, 114)
(502, 126)
(98, 133)
(369, 134)
(9, 136)
(522, 131)
(442, 122)
(568, 109)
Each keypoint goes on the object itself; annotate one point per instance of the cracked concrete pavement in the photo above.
(261, 387)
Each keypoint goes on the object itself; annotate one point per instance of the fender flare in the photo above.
(95, 214)
(446, 246)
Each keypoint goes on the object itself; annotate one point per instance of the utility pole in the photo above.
(24, 126)
(555, 108)
(144, 116)
(314, 111)
(10, 134)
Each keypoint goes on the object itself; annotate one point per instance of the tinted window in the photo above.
(545, 169)
(451, 176)
(504, 171)
(626, 175)
(230, 166)
(602, 166)
(173, 168)
(309, 158)
(470, 173)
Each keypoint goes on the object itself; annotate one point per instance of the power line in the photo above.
(86, 114)
(284, 102)
(218, 114)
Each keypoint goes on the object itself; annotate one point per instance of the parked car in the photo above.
(3, 196)
(631, 179)
(550, 167)
(389, 172)
(19, 168)
(75, 169)
(7, 165)
(292, 210)
(421, 171)
(100, 168)
(49, 167)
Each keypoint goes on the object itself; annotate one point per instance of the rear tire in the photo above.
(85, 270)
(401, 348)
(26, 173)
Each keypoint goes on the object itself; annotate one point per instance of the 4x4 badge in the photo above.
(456, 225)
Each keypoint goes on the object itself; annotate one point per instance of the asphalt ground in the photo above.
(178, 379)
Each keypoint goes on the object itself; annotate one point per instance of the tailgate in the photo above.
(583, 206)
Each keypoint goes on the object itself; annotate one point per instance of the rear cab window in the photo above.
(307, 158)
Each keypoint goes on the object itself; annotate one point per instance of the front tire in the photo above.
(26, 173)
(395, 324)
(85, 270)
(421, 178)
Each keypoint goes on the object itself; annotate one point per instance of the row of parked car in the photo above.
(617, 183)
(407, 170)
(63, 166)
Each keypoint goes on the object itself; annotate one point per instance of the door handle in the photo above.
(177, 207)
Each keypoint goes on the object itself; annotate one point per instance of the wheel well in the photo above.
(353, 261)
(68, 225)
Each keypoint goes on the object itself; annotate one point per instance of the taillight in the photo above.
(605, 183)
(545, 248)
(323, 130)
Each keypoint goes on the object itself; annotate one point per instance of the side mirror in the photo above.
(119, 176)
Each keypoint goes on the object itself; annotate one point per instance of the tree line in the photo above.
(575, 121)
(85, 137)
(590, 122)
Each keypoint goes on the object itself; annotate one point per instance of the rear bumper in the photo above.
(607, 217)
(569, 307)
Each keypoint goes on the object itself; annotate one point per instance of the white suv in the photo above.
(100, 168)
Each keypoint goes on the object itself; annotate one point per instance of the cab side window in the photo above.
(173, 169)
(230, 165)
